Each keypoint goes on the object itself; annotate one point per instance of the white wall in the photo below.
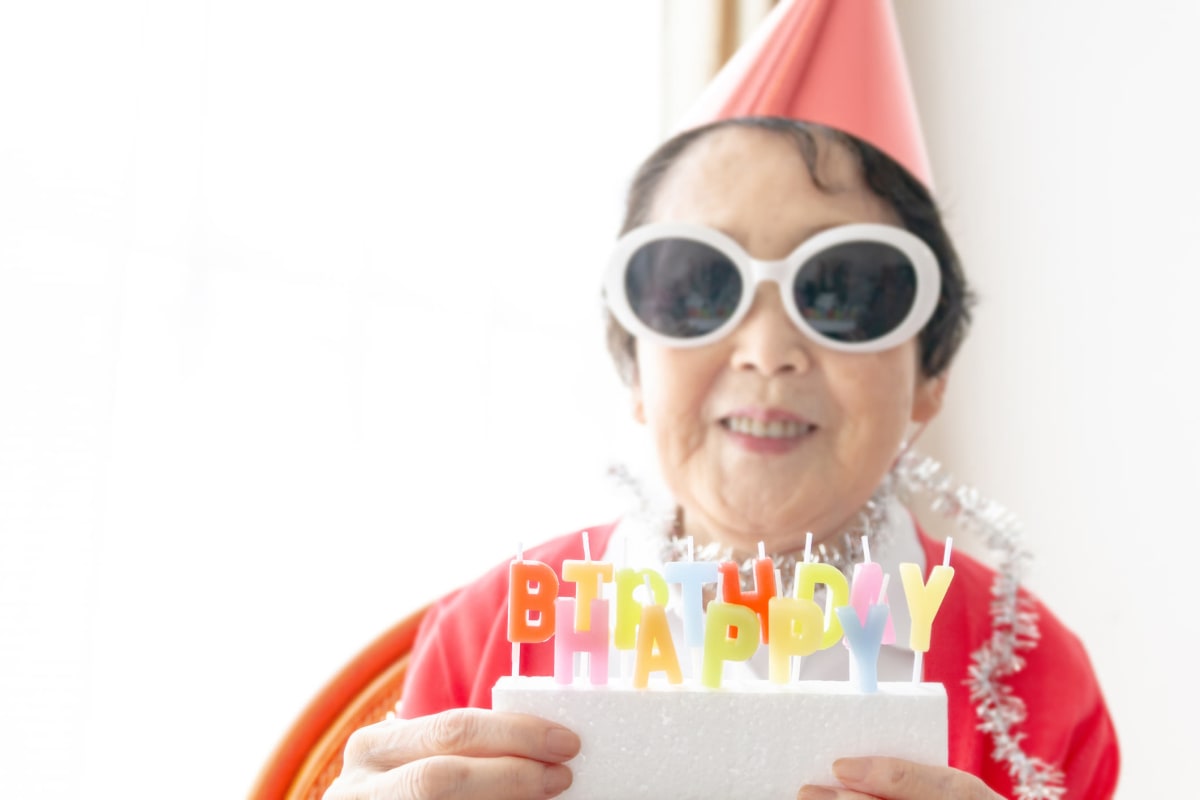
(1064, 138)
(299, 327)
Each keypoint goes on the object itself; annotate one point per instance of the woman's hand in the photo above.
(896, 779)
(462, 753)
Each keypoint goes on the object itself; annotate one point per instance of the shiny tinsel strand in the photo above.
(1014, 623)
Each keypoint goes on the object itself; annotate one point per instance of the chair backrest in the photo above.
(309, 757)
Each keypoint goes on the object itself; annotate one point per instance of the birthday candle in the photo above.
(568, 641)
(692, 576)
(655, 648)
(588, 576)
(838, 589)
(864, 590)
(758, 600)
(629, 610)
(924, 600)
(864, 639)
(720, 646)
(797, 627)
(532, 589)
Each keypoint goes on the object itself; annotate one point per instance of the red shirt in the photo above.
(463, 649)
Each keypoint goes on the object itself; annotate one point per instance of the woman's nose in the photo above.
(766, 340)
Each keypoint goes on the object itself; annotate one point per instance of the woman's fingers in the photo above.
(445, 777)
(465, 753)
(441, 777)
(897, 779)
(831, 793)
(461, 732)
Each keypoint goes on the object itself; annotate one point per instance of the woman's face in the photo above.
(764, 435)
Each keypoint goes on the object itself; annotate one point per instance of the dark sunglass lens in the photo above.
(856, 292)
(682, 288)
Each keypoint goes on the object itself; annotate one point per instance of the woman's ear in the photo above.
(927, 401)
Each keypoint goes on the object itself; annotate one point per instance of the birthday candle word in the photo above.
(731, 628)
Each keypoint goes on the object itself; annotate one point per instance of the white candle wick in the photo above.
(883, 590)
(949, 547)
(807, 547)
(866, 550)
(691, 548)
(520, 552)
(762, 550)
(587, 547)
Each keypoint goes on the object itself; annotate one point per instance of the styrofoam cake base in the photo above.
(755, 739)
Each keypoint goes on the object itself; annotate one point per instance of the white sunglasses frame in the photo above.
(781, 273)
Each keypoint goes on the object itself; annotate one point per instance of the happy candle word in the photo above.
(729, 629)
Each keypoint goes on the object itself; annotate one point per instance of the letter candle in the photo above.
(655, 648)
(692, 576)
(838, 594)
(730, 634)
(924, 600)
(864, 638)
(588, 577)
(864, 589)
(629, 610)
(797, 627)
(568, 641)
(758, 600)
(532, 590)
(808, 558)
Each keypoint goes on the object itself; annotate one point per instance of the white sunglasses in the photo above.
(858, 288)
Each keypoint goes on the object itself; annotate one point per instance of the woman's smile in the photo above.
(766, 430)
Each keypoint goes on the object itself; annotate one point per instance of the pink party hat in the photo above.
(834, 62)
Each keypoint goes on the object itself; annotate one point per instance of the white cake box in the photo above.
(752, 739)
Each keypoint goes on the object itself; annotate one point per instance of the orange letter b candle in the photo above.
(532, 590)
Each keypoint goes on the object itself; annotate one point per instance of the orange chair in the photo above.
(310, 755)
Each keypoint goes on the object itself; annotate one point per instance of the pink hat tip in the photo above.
(836, 63)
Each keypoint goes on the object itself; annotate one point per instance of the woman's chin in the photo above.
(778, 534)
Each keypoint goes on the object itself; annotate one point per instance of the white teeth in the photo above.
(775, 429)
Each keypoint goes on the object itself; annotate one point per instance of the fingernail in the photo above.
(817, 793)
(851, 769)
(562, 743)
(558, 778)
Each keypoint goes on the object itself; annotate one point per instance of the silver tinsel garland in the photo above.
(1014, 622)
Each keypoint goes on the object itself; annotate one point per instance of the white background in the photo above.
(1064, 144)
(299, 326)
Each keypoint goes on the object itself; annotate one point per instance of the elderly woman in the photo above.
(786, 305)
